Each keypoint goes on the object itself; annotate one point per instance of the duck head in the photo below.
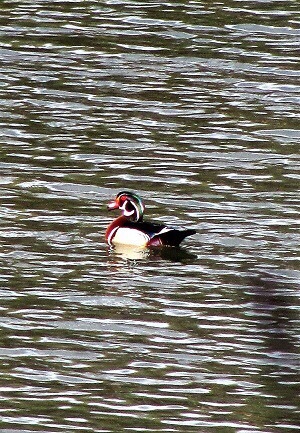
(130, 204)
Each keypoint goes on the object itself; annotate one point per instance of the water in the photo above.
(194, 105)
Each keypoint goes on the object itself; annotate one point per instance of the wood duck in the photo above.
(130, 229)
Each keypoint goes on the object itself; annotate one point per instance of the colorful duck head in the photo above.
(130, 204)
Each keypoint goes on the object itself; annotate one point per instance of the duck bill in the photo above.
(112, 205)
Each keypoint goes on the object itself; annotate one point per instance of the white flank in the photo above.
(127, 236)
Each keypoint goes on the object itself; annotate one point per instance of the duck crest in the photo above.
(131, 205)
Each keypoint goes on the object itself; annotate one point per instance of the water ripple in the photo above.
(196, 107)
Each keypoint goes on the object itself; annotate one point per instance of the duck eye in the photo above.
(122, 200)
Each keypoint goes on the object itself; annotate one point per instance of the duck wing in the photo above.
(174, 237)
(160, 234)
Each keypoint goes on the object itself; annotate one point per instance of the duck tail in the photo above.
(175, 237)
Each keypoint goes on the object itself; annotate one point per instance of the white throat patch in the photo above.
(127, 213)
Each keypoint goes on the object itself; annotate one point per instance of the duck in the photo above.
(131, 229)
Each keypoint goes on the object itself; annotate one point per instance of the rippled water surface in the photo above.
(195, 106)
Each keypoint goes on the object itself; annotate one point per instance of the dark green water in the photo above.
(195, 106)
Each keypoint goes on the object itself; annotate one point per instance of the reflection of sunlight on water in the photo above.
(199, 338)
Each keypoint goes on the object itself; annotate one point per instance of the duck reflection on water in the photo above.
(135, 254)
